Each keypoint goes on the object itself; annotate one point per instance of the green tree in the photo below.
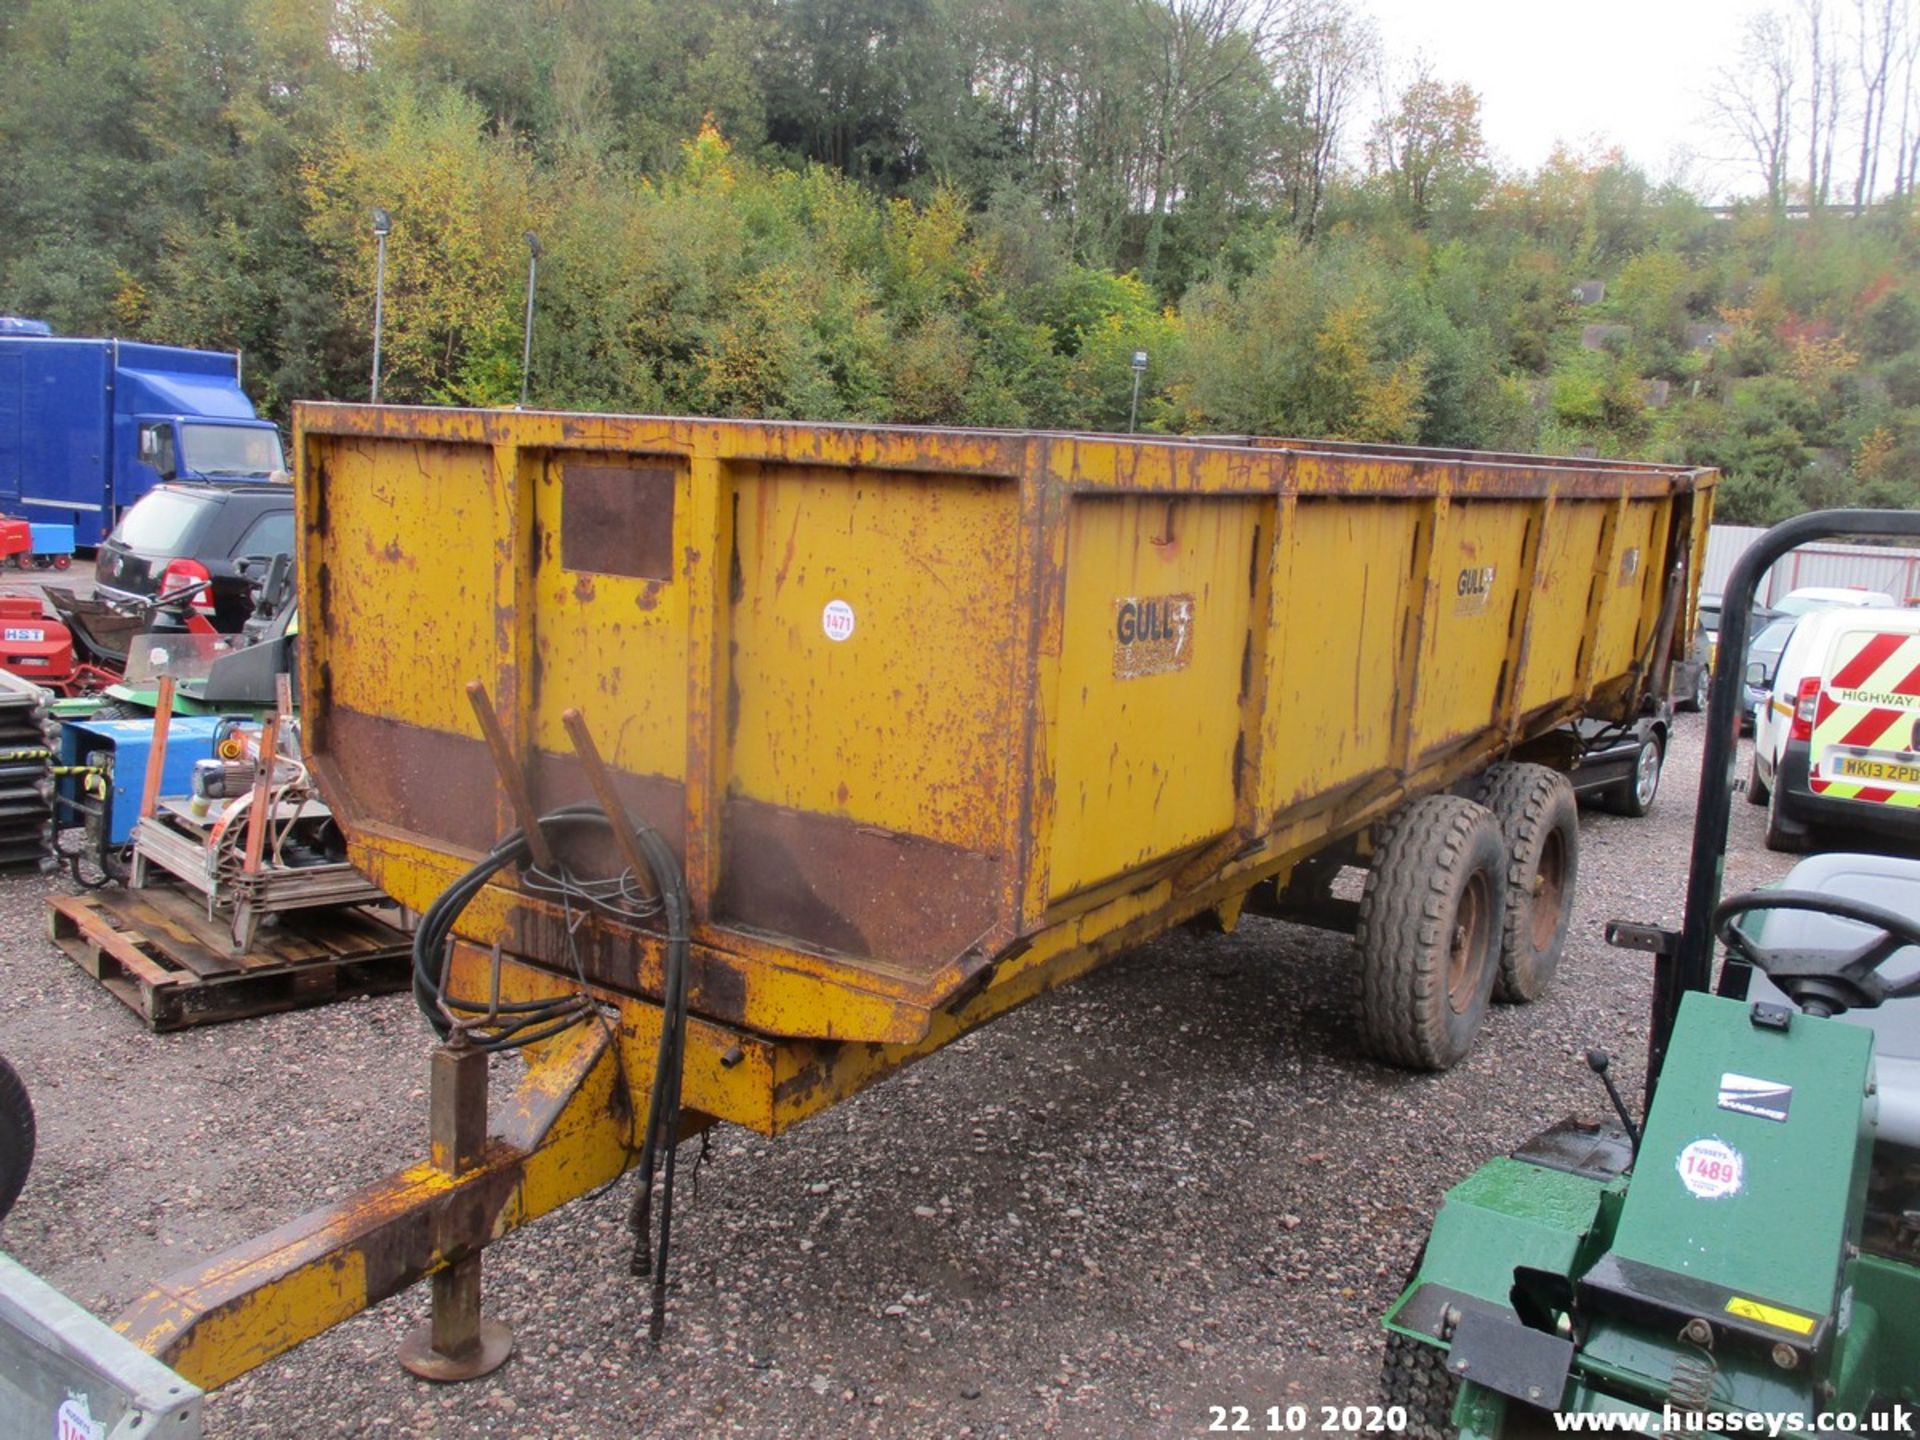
(1428, 144)
(1302, 347)
(460, 200)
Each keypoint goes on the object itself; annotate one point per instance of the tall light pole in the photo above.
(382, 223)
(1139, 369)
(526, 344)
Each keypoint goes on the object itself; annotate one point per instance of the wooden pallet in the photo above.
(159, 953)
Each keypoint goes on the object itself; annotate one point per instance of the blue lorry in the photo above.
(89, 426)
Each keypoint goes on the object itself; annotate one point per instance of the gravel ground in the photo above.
(1172, 1186)
(78, 578)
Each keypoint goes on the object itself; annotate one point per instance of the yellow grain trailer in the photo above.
(911, 726)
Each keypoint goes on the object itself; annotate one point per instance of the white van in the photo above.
(1809, 598)
(1836, 742)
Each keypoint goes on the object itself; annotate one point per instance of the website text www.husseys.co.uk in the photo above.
(1895, 1420)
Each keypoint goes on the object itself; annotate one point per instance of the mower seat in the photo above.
(1893, 884)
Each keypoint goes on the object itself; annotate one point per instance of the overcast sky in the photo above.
(1634, 73)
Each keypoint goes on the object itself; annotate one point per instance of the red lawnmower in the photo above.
(41, 649)
(81, 648)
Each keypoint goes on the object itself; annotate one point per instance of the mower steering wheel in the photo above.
(1824, 982)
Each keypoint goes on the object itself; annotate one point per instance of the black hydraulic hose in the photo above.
(528, 1021)
(436, 927)
(663, 1106)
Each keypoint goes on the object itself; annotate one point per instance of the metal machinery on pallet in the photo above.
(1749, 1255)
(104, 764)
(249, 833)
(735, 766)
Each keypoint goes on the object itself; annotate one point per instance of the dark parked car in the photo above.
(1693, 671)
(1619, 766)
(1757, 621)
(178, 534)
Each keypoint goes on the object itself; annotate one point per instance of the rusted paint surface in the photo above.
(835, 885)
(617, 520)
(900, 721)
(558, 780)
(852, 695)
(423, 780)
(1148, 767)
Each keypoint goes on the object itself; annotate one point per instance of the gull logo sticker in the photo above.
(1768, 1099)
(1152, 635)
(1473, 590)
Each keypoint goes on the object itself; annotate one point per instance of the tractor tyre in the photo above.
(16, 1137)
(1541, 822)
(63, 562)
(1414, 1375)
(1756, 787)
(1429, 930)
(120, 710)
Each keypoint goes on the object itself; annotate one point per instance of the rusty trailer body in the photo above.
(933, 721)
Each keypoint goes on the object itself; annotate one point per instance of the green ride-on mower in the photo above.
(1747, 1260)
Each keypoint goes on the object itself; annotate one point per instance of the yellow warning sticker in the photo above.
(1788, 1320)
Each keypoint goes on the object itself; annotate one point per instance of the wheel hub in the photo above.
(1467, 953)
(1549, 892)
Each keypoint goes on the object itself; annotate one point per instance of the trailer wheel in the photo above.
(16, 1137)
(1429, 931)
(1414, 1375)
(1541, 822)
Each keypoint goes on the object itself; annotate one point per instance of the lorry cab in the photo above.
(200, 448)
(88, 426)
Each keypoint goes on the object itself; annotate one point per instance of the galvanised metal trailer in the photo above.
(851, 739)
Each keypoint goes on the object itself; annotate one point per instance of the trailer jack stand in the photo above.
(458, 1343)
(563, 1133)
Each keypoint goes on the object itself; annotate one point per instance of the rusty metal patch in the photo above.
(1473, 591)
(410, 777)
(617, 519)
(1152, 635)
(849, 889)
